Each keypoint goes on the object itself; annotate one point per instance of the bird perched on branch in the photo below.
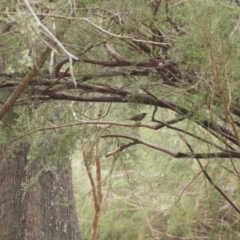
(138, 117)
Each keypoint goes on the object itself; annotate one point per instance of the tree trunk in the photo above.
(35, 204)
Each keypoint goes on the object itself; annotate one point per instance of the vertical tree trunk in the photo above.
(45, 209)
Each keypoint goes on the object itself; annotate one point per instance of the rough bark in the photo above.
(44, 210)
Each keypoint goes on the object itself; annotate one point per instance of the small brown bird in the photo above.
(138, 117)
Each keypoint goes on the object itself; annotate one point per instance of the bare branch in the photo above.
(24, 82)
(120, 149)
(53, 38)
(228, 154)
(115, 54)
(210, 179)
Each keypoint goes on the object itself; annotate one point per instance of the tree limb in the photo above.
(24, 82)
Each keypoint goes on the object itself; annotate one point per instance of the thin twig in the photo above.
(209, 178)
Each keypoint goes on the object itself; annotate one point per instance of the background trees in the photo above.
(82, 68)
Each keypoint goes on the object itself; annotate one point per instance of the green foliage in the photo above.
(147, 194)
